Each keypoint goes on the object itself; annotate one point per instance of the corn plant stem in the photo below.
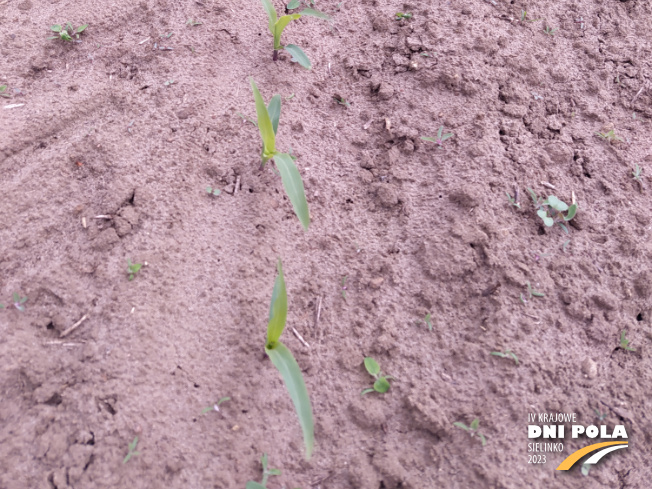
(275, 57)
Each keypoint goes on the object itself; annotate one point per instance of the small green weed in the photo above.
(169, 82)
(525, 19)
(472, 430)
(531, 293)
(213, 191)
(344, 287)
(585, 469)
(624, 342)
(268, 119)
(67, 32)
(401, 15)
(193, 23)
(3, 92)
(610, 136)
(133, 269)
(636, 174)
(600, 415)
(552, 210)
(266, 473)
(514, 200)
(428, 321)
(550, 31)
(507, 354)
(216, 406)
(341, 101)
(132, 451)
(19, 301)
(276, 26)
(440, 137)
(382, 382)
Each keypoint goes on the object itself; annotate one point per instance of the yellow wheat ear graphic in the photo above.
(608, 446)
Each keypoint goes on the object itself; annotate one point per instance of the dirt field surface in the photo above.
(107, 147)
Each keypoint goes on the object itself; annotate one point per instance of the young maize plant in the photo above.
(268, 117)
(276, 26)
(283, 360)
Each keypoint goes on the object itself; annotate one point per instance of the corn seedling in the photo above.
(266, 473)
(402, 15)
(472, 430)
(268, 118)
(19, 301)
(525, 19)
(600, 415)
(552, 210)
(636, 173)
(550, 31)
(507, 354)
(340, 100)
(3, 91)
(610, 136)
(624, 342)
(382, 382)
(213, 191)
(133, 269)
(276, 26)
(531, 293)
(283, 360)
(428, 321)
(67, 32)
(131, 451)
(441, 137)
(216, 406)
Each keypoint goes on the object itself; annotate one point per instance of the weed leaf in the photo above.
(367, 391)
(572, 210)
(314, 13)
(264, 124)
(271, 13)
(474, 424)
(56, 28)
(381, 385)
(293, 187)
(274, 111)
(298, 56)
(372, 366)
(81, 28)
(283, 360)
(557, 204)
(278, 308)
(461, 425)
(254, 485)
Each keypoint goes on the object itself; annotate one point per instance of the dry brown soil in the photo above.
(414, 228)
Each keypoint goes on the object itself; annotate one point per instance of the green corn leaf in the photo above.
(278, 308)
(428, 138)
(314, 13)
(299, 56)
(474, 424)
(372, 366)
(271, 13)
(483, 438)
(264, 124)
(283, 360)
(274, 111)
(280, 25)
(293, 187)
(381, 385)
(254, 485)
(572, 210)
(461, 425)
(293, 4)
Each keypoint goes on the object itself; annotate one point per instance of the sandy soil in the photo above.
(414, 228)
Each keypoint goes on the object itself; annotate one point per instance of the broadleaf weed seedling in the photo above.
(268, 119)
(624, 342)
(381, 384)
(216, 406)
(67, 32)
(213, 191)
(552, 210)
(610, 136)
(440, 137)
(19, 301)
(3, 92)
(472, 429)
(284, 361)
(507, 354)
(276, 26)
(133, 269)
(266, 473)
(131, 451)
